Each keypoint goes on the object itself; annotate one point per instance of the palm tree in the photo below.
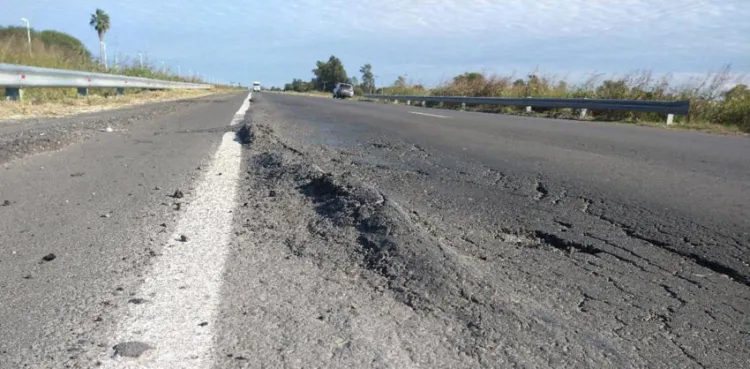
(100, 22)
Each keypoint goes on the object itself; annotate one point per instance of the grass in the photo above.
(713, 106)
(64, 101)
(14, 110)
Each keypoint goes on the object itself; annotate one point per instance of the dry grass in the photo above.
(14, 110)
(713, 106)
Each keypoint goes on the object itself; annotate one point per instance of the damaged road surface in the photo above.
(299, 232)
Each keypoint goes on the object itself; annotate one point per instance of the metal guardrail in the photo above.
(15, 77)
(665, 107)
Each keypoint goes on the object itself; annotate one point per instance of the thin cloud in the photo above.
(282, 39)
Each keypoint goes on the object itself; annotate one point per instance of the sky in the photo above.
(428, 41)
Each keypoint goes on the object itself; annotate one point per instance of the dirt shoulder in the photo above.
(12, 111)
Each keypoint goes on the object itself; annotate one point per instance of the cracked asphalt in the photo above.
(366, 235)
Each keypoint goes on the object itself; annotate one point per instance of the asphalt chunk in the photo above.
(131, 349)
(183, 238)
(49, 257)
(246, 135)
(178, 194)
(6, 203)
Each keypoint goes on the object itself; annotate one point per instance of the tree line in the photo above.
(328, 73)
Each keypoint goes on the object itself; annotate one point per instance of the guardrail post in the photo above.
(424, 103)
(395, 101)
(583, 113)
(670, 119)
(440, 104)
(528, 109)
(13, 93)
(120, 91)
(83, 91)
(463, 106)
(408, 102)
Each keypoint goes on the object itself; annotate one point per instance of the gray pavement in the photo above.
(366, 235)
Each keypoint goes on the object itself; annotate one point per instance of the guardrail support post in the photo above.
(583, 113)
(83, 91)
(120, 91)
(463, 106)
(440, 104)
(408, 102)
(528, 109)
(670, 119)
(395, 102)
(424, 103)
(13, 93)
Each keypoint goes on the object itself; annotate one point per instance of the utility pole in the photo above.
(140, 57)
(28, 31)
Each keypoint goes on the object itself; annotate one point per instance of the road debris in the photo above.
(131, 349)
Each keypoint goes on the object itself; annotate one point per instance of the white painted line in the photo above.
(430, 115)
(181, 291)
(240, 115)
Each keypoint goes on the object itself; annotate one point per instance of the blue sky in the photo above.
(429, 41)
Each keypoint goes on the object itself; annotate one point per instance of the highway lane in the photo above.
(346, 234)
(640, 233)
(103, 207)
(692, 185)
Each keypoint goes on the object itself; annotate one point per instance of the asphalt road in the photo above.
(347, 234)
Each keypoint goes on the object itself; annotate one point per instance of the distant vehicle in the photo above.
(343, 90)
(256, 86)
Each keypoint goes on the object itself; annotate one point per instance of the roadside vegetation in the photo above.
(56, 49)
(14, 110)
(717, 104)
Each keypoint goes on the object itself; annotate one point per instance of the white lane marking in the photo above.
(240, 115)
(430, 115)
(182, 289)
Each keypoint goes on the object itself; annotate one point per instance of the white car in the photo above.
(343, 90)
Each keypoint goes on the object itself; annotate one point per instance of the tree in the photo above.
(65, 42)
(327, 74)
(469, 77)
(368, 78)
(737, 93)
(72, 47)
(609, 89)
(298, 85)
(100, 22)
(400, 82)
